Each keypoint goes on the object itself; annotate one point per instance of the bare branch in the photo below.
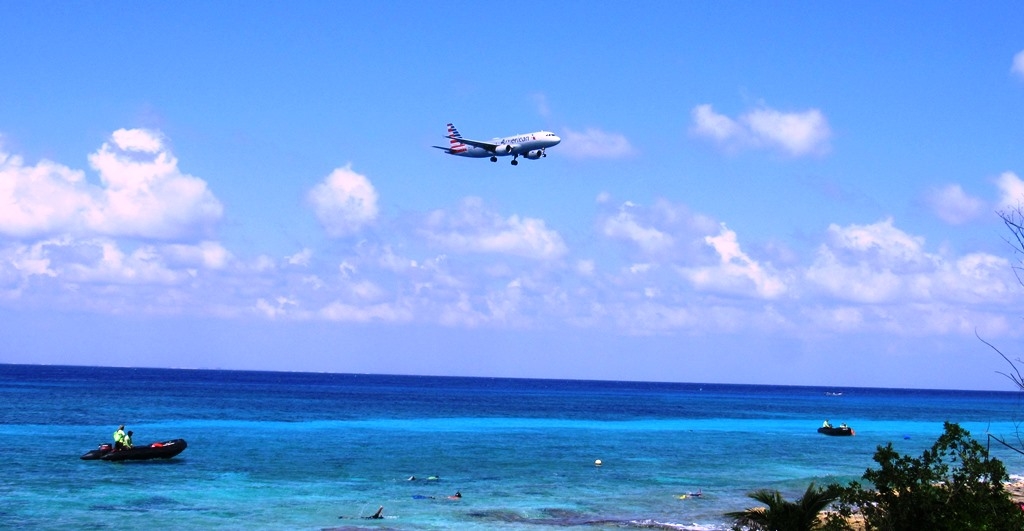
(1016, 377)
(1014, 220)
(1004, 443)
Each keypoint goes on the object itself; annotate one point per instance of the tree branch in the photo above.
(1016, 377)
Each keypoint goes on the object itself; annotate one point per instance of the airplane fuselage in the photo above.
(514, 145)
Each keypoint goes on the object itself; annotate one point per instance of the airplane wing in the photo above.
(489, 146)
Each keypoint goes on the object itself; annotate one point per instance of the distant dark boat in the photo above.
(836, 432)
(157, 450)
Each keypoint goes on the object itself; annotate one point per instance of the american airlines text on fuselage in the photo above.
(515, 140)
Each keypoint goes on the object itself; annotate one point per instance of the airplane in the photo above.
(529, 145)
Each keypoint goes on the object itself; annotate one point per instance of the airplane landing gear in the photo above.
(515, 162)
(494, 159)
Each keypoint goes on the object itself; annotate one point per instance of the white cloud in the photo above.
(890, 244)
(1011, 189)
(977, 278)
(29, 260)
(795, 133)
(43, 199)
(881, 264)
(144, 265)
(952, 205)
(594, 143)
(626, 226)
(639, 269)
(661, 230)
(474, 229)
(393, 262)
(139, 140)
(207, 254)
(144, 194)
(344, 202)
(313, 282)
(300, 258)
(460, 312)
(858, 281)
(708, 123)
(100, 262)
(736, 272)
(278, 309)
(1018, 64)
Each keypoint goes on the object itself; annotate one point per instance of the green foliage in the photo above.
(783, 515)
(953, 486)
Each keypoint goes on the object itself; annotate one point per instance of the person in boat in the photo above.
(843, 426)
(119, 438)
(456, 496)
(127, 441)
(826, 424)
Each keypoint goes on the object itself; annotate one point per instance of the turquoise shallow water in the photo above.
(298, 451)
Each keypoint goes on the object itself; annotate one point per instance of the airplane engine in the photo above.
(503, 148)
(534, 154)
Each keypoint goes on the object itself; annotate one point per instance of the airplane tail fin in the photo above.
(454, 138)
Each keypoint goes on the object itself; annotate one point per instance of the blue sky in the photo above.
(748, 193)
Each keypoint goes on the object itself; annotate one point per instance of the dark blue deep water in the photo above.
(274, 450)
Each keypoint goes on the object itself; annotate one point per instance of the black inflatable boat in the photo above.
(157, 450)
(836, 432)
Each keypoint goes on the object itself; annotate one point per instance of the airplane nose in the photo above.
(557, 140)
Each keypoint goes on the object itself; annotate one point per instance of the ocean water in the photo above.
(321, 451)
